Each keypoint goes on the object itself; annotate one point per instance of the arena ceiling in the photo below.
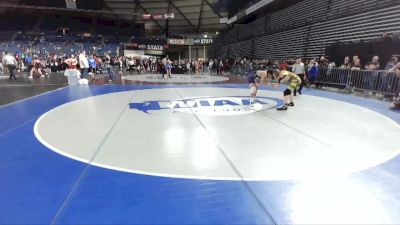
(191, 16)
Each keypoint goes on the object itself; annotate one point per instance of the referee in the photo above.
(11, 63)
(299, 70)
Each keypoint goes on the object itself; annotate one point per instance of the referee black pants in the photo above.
(11, 69)
(302, 82)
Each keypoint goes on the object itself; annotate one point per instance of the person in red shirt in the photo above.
(283, 65)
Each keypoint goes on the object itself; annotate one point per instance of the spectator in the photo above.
(396, 36)
(374, 64)
(346, 64)
(313, 70)
(386, 36)
(210, 66)
(396, 69)
(386, 77)
(323, 62)
(99, 64)
(83, 64)
(392, 63)
(220, 67)
(356, 78)
(188, 67)
(108, 63)
(92, 64)
(164, 66)
(197, 67)
(1, 64)
(371, 79)
(331, 64)
(28, 61)
(168, 68)
(283, 65)
(356, 64)
(120, 64)
(54, 64)
(354, 60)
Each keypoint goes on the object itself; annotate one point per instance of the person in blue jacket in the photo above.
(92, 64)
(313, 71)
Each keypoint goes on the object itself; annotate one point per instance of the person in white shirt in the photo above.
(210, 65)
(1, 63)
(164, 62)
(109, 63)
(83, 64)
(10, 62)
(169, 68)
(188, 67)
(299, 70)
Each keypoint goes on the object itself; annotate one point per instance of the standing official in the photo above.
(299, 70)
(11, 63)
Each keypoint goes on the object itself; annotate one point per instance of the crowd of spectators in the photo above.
(41, 56)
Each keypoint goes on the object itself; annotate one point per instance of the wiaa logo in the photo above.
(212, 106)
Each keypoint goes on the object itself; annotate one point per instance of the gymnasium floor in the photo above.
(192, 151)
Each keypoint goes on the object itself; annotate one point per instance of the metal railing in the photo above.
(369, 81)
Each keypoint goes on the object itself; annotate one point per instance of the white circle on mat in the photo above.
(137, 132)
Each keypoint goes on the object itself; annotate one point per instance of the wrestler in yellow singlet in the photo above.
(293, 82)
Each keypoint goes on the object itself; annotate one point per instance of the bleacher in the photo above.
(362, 27)
(297, 15)
(240, 49)
(260, 26)
(340, 8)
(281, 45)
(312, 25)
(6, 35)
(59, 47)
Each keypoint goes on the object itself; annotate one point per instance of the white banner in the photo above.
(133, 53)
(257, 6)
(232, 20)
(176, 41)
(169, 16)
(203, 41)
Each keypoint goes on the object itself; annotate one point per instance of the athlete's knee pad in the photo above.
(287, 92)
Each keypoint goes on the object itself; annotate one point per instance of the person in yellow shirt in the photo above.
(293, 81)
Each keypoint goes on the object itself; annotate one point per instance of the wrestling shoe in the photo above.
(282, 108)
(290, 104)
(251, 103)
